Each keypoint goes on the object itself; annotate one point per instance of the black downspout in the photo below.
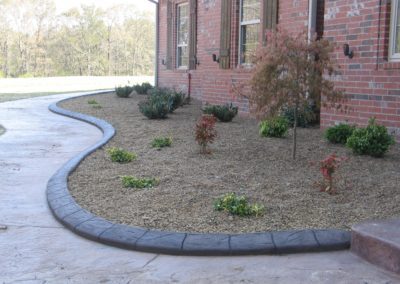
(379, 35)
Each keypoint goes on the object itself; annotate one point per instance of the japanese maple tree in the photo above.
(291, 70)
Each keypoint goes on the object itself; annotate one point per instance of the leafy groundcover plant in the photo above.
(134, 182)
(161, 142)
(119, 155)
(274, 127)
(237, 205)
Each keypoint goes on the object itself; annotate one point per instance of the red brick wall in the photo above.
(210, 83)
(372, 83)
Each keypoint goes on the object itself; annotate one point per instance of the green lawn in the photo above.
(5, 97)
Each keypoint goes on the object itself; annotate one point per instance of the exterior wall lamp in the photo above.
(347, 52)
(215, 58)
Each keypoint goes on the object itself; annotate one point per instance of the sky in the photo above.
(63, 5)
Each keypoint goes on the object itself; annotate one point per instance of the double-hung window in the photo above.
(182, 36)
(394, 47)
(249, 29)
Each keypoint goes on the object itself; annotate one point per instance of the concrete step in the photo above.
(378, 242)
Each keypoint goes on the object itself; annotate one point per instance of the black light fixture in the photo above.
(163, 62)
(347, 52)
(196, 61)
(215, 58)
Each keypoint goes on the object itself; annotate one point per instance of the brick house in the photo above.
(202, 43)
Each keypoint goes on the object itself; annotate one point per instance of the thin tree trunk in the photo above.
(295, 131)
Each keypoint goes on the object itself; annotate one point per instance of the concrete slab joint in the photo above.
(84, 223)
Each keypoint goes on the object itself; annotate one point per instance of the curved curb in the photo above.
(88, 225)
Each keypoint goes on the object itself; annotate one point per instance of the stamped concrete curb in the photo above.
(90, 226)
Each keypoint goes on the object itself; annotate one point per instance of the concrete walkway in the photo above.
(35, 248)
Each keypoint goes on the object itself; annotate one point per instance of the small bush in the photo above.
(119, 155)
(142, 89)
(373, 140)
(174, 99)
(178, 99)
(161, 142)
(92, 102)
(205, 131)
(305, 117)
(155, 107)
(339, 133)
(133, 182)
(159, 92)
(328, 167)
(274, 127)
(224, 113)
(123, 92)
(237, 205)
(97, 106)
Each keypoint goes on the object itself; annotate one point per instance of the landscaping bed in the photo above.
(241, 162)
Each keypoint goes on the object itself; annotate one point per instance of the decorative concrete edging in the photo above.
(90, 226)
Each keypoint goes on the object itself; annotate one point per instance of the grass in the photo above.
(23, 88)
(6, 97)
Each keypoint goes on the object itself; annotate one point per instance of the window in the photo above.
(394, 47)
(249, 29)
(182, 36)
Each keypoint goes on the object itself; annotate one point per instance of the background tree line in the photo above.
(85, 41)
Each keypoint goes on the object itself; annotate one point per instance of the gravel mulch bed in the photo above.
(241, 162)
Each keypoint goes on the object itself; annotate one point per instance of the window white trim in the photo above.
(178, 45)
(393, 56)
(241, 25)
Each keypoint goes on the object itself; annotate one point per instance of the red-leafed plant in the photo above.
(205, 132)
(328, 167)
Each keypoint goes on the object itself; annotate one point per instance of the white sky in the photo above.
(142, 5)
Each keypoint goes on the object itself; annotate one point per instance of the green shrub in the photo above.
(274, 127)
(123, 92)
(97, 106)
(339, 133)
(155, 107)
(142, 89)
(237, 205)
(178, 100)
(373, 140)
(161, 142)
(224, 113)
(133, 182)
(92, 102)
(305, 117)
(119, 155)
(161, 92)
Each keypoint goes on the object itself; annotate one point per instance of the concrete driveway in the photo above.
(35, 248)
